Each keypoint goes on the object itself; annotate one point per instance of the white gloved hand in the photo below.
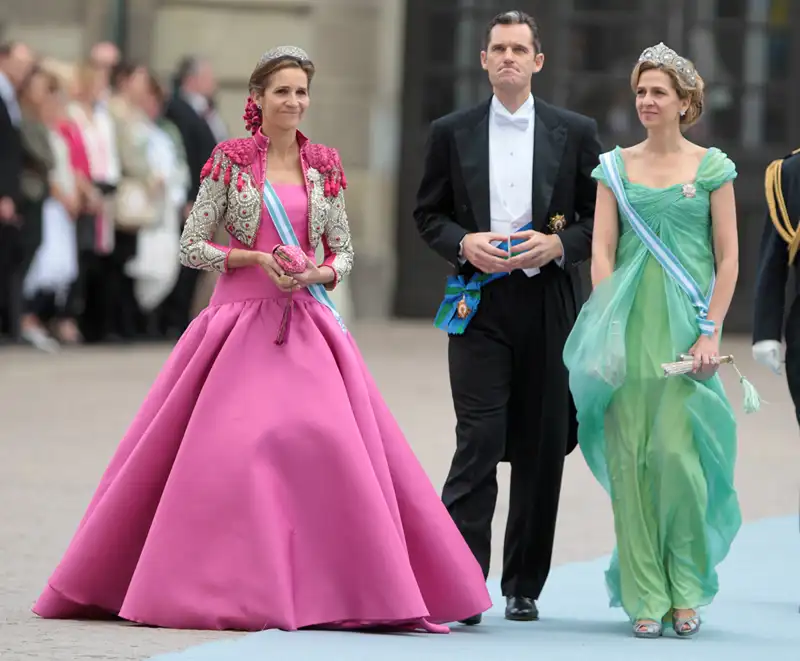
(768, 353)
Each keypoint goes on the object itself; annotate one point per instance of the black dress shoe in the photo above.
(521, 609)
(472, 621)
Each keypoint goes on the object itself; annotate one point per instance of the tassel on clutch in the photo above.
(292, 259)
(685, 366)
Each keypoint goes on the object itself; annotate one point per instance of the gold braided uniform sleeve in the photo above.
(776, 203)
(779, 246)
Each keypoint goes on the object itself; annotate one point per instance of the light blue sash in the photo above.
(286, 232)
(668, 261)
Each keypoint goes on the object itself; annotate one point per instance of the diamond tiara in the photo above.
(664, 56)
(284, 51)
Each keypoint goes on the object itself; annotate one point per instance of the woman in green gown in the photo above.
(663, 448)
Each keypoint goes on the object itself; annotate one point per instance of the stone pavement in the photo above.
(62, 416)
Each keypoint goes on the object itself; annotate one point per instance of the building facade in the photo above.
(387, 68)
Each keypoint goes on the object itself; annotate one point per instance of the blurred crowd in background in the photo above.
(99, 165)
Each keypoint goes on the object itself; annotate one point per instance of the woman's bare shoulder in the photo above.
(697, 151)
(633, 152)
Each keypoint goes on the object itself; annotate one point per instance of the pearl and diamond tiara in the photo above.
(662, 55)
(284, 51)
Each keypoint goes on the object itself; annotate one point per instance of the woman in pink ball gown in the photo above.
(264, 483)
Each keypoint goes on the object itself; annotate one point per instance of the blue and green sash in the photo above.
(665, 257)
(462, 296)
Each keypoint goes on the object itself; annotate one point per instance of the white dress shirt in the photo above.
(511, 153)
(9, 96)
(511, 146)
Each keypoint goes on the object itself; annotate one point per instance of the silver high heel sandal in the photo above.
(647, 629)
(686, 626)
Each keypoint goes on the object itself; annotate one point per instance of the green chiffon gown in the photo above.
(663, 448)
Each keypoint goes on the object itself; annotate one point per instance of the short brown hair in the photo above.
(155, 87)
(52, 81)
(259, 79)
(34, 72)
(516, 17)
(693, 93)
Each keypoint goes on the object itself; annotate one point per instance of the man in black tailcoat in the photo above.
(192, 112)
(16, 62)
(513, 167)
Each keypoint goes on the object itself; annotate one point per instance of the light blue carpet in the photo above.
(755, 617)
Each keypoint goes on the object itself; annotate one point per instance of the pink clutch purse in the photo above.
(292, 259)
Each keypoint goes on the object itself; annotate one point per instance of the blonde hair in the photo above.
(686, 91)
(64, 72)
(84, 79)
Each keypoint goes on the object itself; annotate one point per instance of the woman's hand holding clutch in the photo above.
(293, 264)
(314, 275)
(276, 273)
(304, 270)
(705, 353)
(291, 268)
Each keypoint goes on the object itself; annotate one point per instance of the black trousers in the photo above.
(10, 292)
(110, 310)
(126, 316)
(92, 297)
(31, 234)
(511, 396)
(18, 246)
(792, 333)
(76, 299)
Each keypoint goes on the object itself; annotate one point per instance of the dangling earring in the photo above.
(683, 113)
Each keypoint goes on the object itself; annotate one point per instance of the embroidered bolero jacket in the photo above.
(230, 193)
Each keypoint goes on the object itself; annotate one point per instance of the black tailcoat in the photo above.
(509, 383)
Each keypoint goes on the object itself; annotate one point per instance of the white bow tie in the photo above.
(520, 122)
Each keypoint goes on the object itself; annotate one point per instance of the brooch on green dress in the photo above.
(689, 190)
